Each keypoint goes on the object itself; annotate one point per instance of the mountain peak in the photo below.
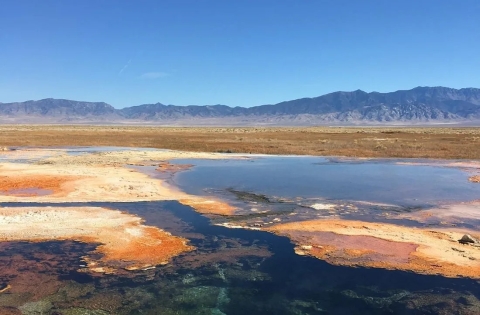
(421, 104)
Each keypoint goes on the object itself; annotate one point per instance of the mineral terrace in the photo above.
(53, 176)
(123, 241)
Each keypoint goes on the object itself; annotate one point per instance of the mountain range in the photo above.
(421, 105)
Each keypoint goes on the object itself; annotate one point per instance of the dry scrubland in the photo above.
(418, 142)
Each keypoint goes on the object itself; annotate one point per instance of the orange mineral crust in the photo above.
(85, 183)
(124, 241)
(34, 185)
(380, 245)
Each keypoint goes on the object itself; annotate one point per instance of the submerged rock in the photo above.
(467, 239)
(83, 311)
(444, 302)
(36, 308)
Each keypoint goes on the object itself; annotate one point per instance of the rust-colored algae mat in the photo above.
(100, 178)
(124, 241)
(382, 245)
(23, 185)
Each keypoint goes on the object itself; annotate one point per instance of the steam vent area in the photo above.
(107, 230)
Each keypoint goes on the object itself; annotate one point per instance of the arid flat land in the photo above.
(401, 142)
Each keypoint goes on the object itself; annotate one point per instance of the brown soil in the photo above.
(448, 143)
(125, 242)
(379, 245)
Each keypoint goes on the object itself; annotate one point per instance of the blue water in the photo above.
(376, 181)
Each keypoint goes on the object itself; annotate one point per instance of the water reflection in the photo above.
(382, 181)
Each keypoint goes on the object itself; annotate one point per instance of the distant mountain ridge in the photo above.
(419, 105)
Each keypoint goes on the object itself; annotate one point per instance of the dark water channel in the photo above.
(246, 283)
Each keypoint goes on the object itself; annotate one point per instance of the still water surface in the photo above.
(371, 180)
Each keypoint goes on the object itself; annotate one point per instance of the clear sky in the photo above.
(238, 53)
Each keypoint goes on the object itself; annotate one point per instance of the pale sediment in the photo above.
(124, 241)
(380, 245)
(456, 164)
(98, 177)
(208, 206)
(132, 156)
(84, 183)
(29, 153)
(452, 214)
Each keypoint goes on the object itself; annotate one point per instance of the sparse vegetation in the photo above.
(427, 142)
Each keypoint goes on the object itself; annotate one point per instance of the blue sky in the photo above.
(238, 53)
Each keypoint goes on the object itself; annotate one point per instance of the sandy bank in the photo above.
(124, 241)
(133, 157)
(102, 177)
(356, 243)
(93, 183)
(80, 183)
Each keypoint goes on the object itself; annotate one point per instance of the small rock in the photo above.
(467, 239)
(299, 252)
(474, 179)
